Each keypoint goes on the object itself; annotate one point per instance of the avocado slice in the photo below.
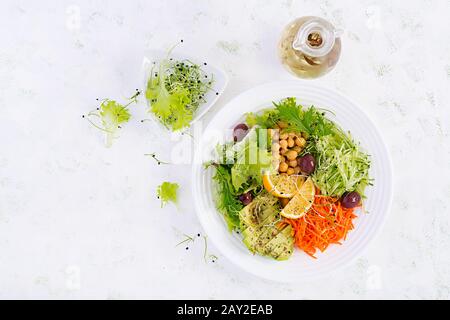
(282, 246)
(253, 233)
(265, 237)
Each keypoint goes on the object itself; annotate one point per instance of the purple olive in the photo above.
(239, 132)
(246, 198)
(351, 200)
(307, 164)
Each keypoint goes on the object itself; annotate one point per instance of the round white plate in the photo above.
(299, 267)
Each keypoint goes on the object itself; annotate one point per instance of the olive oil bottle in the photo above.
(309, 47)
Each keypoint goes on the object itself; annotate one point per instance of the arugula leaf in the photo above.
(166, 192)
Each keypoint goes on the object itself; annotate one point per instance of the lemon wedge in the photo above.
(282, 186)
(301, 202)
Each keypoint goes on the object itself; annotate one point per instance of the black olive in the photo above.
(307, 164)
(246, 198)
(239, 132)
(351, 200)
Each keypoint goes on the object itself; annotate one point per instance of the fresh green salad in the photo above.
(291, 176)
(175, 90)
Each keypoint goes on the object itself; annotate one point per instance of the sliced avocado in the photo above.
(265, 237)
(253, 233)
(256, 212)
(286, 253)
(275, 246)
(284, 248)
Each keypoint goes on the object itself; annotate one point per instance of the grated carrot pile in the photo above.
(327, 222)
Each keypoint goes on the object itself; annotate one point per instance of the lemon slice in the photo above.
(301, 202)
(282, 186)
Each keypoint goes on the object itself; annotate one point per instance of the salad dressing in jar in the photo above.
(309, 47)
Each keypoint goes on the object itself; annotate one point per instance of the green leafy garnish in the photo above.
(251, 161)
(226, 198)
(264, 119)
(175, 92)
(310, 121)
(111, 115)
(166, 192)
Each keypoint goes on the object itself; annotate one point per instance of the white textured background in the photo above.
(78, 220)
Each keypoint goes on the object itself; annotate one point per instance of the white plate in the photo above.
(218, 86)
(299, 267)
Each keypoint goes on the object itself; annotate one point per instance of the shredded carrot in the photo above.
(327, 222)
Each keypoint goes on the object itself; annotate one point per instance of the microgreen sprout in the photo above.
(207, 256)
(175, 90)
(187, 239)
(158, 161)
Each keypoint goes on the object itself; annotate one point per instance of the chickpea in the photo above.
(297, 170)
(290, 142)
(283, 144)
(283, 167)
(283, 151)
(301, 142)
(282, 124)
(282, 159)
(291, 155)
(291, 135)
(292, 163)
(290, 171)
(297, 148)
(284, 136)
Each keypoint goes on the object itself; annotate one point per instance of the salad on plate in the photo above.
(290, 178)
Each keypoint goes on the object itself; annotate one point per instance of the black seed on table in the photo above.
(205, 63)
(187, 248)
(82, 116)
(217, 93)
(198, 234)
(182, 40)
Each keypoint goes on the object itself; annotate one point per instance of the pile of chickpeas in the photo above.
(290, 145)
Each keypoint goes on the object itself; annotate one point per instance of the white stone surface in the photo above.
(78, 220)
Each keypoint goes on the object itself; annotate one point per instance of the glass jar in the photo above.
(310, 47)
